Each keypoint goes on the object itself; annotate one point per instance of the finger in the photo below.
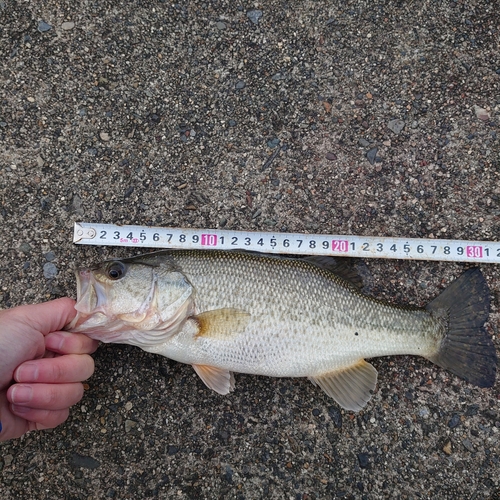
(48, 316)
(12, 425)
(45, 396)
(57, 370)
(40, 419)
(70, 343)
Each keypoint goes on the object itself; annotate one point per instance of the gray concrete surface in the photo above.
(166, 113)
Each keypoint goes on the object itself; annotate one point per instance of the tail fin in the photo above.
(466, 350)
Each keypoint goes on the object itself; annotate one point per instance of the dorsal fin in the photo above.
(354, 271)
(351, 270)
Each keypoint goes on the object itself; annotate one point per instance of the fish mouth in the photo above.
(91, 298)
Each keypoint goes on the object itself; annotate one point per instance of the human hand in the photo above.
(41, 367)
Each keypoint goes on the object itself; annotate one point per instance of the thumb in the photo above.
(47, 317)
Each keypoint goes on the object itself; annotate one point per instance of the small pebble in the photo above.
(129, 425)
(468, 444)
(49, 270)
(240, 85)
(454, 421)
(424, 412)
(50, 256)
(254, 16)
(273, 143)
(330, 156)
(447, 448)
(371, 155)
(25, 248)
(43, 27)
(68, 25)
(228, 476)
(104, 136)
(78, 460)
(364, 143)
(220, 25)
(363, 460)
(396, 126)
(481, 113)
(336, 416)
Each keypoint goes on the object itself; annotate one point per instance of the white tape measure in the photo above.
(288, 243)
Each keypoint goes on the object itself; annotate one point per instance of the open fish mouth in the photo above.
(90, 300)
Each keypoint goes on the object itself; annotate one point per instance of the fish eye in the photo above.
(116, 271)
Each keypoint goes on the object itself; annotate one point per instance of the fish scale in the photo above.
(225, 312)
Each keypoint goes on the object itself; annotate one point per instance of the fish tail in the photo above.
(466, 349)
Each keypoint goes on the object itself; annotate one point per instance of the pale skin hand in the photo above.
(41, 367)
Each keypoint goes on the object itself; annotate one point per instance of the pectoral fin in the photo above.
(217, 379)
(351, 386)
(221, 323)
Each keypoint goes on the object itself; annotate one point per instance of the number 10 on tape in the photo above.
(288, 243)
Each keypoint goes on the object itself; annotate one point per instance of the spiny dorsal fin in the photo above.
(350, 270)
(351, 387)
(217, 379)
(221, 323)
(354, 271)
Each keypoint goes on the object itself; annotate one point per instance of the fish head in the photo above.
(139, 301)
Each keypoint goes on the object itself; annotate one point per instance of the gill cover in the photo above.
(139, 301)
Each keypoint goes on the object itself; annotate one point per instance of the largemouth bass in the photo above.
(225, 312)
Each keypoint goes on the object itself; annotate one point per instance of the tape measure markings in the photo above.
(288, 243)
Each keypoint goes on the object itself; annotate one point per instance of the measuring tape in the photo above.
(288, 243)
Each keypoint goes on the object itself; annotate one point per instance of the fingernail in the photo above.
(55, 342)
(27, 372)
(20, 410)
(21, 394)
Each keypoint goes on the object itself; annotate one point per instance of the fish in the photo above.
(226, 312)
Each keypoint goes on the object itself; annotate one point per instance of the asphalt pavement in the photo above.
(352, 117)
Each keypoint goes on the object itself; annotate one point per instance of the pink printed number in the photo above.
(474, 252)
(209, 240)
(340, 245)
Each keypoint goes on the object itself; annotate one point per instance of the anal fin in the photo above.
(351, 387)
(217, 379)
